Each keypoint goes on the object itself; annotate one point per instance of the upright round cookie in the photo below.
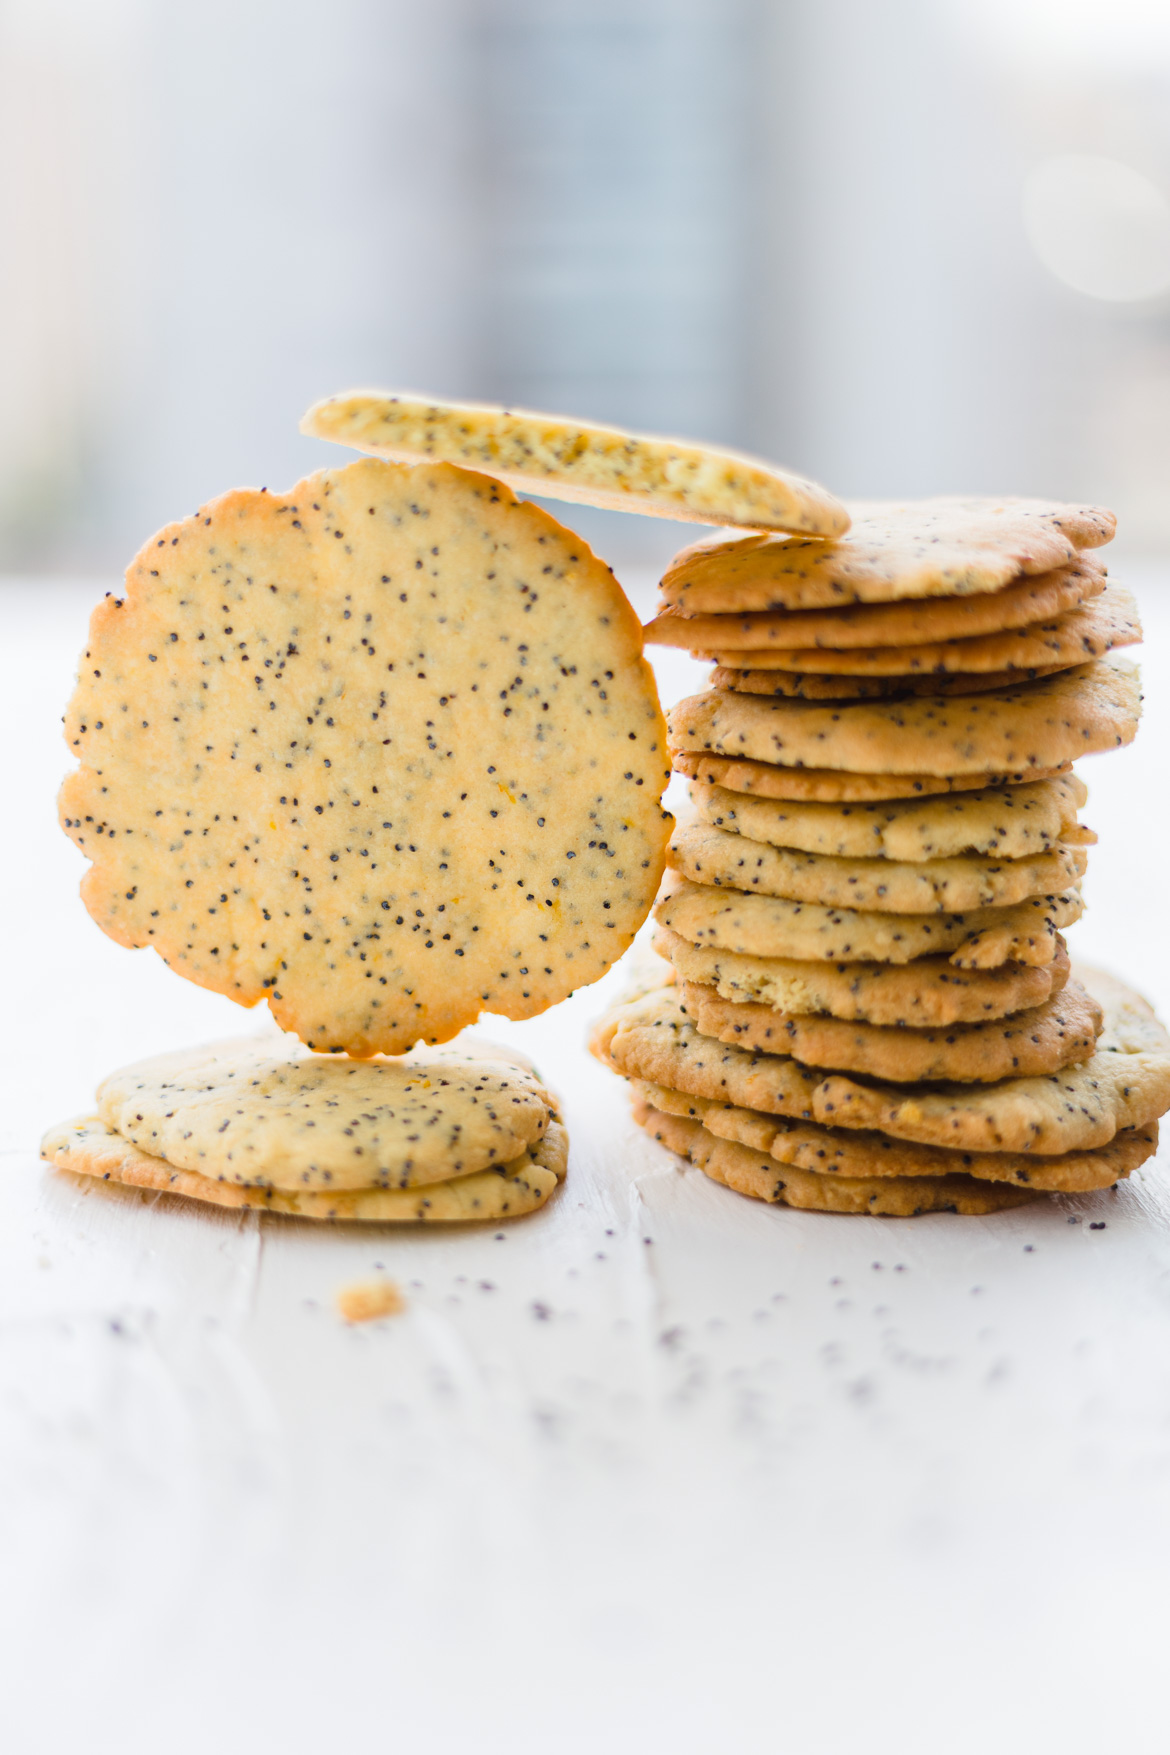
(382, 750)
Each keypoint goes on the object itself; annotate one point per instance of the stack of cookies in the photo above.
(871, 1006)
(439, 1135)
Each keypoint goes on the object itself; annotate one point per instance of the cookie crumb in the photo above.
(368, 1300)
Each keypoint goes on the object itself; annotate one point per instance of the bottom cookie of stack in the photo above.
(437, 1136)
(772, 1127)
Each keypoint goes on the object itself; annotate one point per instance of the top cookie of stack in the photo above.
(885, 842)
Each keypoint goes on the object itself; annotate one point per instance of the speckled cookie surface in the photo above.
(273, 1115)
(805, 686)
(1035, 726)
(769, 926)
(1043, 1039)
(832, 786)
(1010, 821)
(723, 859)
(758, 1175)
(1079, 1108)
(382, 750)
(87, 1147)
(916, 548)
(575, 460)
(652, 1038)
(1124, 1084)
(911, 623)
(826, 1151)
(926, 993)
(1089, 631)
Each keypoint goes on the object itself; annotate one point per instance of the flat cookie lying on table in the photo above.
(1011, 821)
(927, 993)
(383, 751)
(577, 460)
(723, 859)
(912, 548)
(447, 1135)
(1036, 725)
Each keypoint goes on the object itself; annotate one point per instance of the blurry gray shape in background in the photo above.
(792, 226)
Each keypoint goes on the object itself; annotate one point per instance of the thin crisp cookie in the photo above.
(1035, 726)
(894, 550)
(911, 623)
(1106, 623)
(770, 926)
(1012, 822)
(929, 992)
(269, 1114)
(832, 786)
(383, 751)
(725, 859)
(758, 1175)
(576, 460)
(826, 1151)
(1075, 1109)
(804, 686)
(87, 1147)
(1042, 1039)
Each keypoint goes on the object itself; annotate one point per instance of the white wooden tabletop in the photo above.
(658, 1468)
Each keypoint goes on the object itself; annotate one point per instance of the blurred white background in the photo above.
(910, 247)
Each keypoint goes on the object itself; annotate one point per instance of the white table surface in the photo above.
(658, 1468)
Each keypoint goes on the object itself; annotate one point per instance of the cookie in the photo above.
(87, 1147)
(1010, 821)
(576, 460)
(725, 859)
(1106, 623)
(755, 1174)
(826, 1151)
(383, 751)
(1041, 1040)
(271, 1115)
(832, 786)
(1034, 726)
(894, 550)
(769, 926)
(804, 686)
(929, 992)
(1124, 1084)
(1076, 1109)
(911, 623)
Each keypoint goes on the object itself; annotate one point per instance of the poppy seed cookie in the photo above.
(383, 751)
(894, 550)
(577, 460)
(1029, 599)
(1040, 1040)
